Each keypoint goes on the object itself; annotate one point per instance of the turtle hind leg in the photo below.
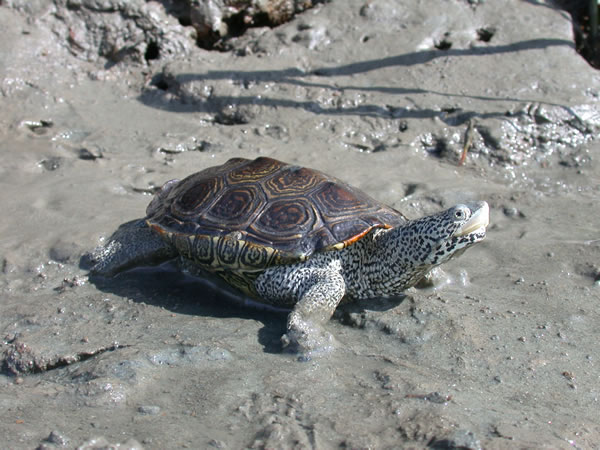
(317, 292)
(133, 244)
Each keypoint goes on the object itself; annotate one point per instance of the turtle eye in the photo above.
(460, 214)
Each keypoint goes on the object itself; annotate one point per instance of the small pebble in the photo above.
(150, 410)
(57, 438)
(568, 375)
(89, 155)
(51, 163)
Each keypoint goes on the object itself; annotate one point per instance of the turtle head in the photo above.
(439, 237)
(405, 254)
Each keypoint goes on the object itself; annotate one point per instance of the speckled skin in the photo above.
(384, 263)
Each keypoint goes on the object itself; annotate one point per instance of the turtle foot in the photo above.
(307, 339)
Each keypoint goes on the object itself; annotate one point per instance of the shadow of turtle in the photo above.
(168, 287)
(353, 313)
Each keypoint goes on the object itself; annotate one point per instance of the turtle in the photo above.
(291, 237)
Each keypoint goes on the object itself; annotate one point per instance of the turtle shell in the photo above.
(247, 215)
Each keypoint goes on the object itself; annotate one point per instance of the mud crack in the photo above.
(20, 358)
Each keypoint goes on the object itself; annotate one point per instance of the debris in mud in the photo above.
(534, 132)
(50, 164)
(87, 154)
(149, 410)
(235, 115)
(468, 142)
(69, 283)
(141, 32)
(486, 34)
(57, 438)
(217, 20)
(20, 358)
(512, 212)
(445, 43)
(151, 190)
(433, 397)
(191, 144)
(38, 126)
(278, 132)
(366, 148)
(6, 266)
(168, 85)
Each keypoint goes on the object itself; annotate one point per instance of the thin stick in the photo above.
(468, 141)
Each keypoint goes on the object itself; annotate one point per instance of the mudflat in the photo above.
(421, 105)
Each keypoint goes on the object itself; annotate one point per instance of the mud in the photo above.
(382, 94)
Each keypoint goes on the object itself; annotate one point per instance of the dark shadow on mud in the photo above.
(167, 287)
(380, 304)
(168, 91)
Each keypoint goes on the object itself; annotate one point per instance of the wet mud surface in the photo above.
(381, 94)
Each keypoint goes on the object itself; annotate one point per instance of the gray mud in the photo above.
(100, 107)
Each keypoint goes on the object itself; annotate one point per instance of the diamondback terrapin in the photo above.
(291, 236)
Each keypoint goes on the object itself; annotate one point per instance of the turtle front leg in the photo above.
(315, 292)
(305, 325)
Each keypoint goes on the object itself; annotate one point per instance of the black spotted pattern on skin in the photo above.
(383, 263)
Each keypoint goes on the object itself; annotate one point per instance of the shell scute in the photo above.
(254, 170)
(236, 206)
(292, 181)
(286, 218)
(196, 194)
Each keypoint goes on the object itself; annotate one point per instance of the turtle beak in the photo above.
(480, 218)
